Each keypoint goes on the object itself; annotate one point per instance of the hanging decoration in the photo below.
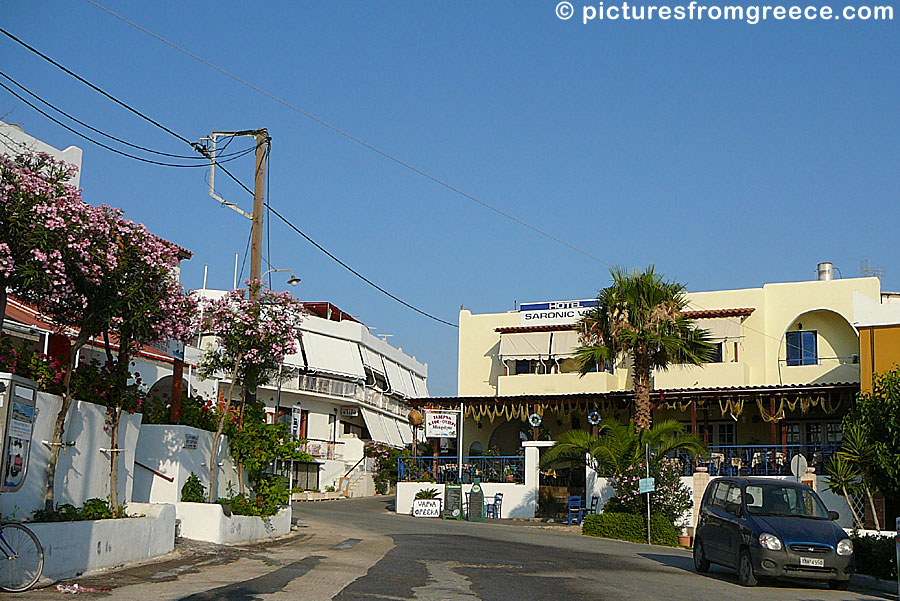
(593, 418)
(534, 419)
(768, 417)
(734, 407)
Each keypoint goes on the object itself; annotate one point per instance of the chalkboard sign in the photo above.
(453, 502)
(476, 503)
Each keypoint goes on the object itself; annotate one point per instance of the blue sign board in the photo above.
(646, 485)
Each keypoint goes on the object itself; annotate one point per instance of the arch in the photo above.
(508, 436)
(163, 387)
(833, 329)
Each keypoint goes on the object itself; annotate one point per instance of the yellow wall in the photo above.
(826, 307)
(879, 352)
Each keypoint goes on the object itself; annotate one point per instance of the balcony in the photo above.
(709, 375)
(568, 383)
(345, 390)
(756, 460)
(828, 370)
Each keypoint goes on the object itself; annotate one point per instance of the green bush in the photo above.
(631, 527)
(193, 490)
(876, 556)
(94, 509)
(271, 493)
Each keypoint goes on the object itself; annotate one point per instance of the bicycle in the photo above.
(24, 558)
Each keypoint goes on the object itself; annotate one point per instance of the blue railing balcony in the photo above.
(756, 460)
(446, 470)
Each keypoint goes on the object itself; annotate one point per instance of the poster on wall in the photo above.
(440, 424)
(21, 420)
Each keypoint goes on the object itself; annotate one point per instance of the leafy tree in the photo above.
(878, 413)
(642, 316)
(843, 479)
(254, 332)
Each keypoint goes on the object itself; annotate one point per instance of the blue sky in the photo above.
(728, 154)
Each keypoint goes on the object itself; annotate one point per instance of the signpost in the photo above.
(453, 502)
(798, 466)
(427, 508)
(646, 486)
(440, 424)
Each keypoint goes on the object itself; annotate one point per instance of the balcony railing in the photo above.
(756, 460)
(445, 470)
(347, 390)
(322, 449)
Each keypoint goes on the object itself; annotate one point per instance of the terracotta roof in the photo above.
(561, 327)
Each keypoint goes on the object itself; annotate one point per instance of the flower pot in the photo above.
(684, 540)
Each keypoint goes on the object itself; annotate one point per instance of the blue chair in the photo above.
(492, 510)
(595, 501)
(576, 509)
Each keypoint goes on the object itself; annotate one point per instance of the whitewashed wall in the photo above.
(162, 448)
(518, 500)
(83, 470)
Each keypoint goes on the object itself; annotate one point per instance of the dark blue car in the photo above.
(764, 527)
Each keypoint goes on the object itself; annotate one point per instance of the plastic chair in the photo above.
(576, 505)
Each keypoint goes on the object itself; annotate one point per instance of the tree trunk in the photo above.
(856, 521)
(641, 396)
(872, 505)
(2, 303)
(213, 467)
(116, 414)
(59, 427)
(240, 464)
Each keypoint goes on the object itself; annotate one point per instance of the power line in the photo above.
(200, 149)
(355, 139)
(219, 155)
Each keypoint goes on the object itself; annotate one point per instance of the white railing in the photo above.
(346, 390)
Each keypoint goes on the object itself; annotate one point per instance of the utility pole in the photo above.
(259, 194)
(259, 199)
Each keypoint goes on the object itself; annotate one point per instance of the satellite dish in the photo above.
(798, 465)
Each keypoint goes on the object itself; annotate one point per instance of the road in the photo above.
(358, 550)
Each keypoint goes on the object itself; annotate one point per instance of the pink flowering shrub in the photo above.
(386, 468)
(29, 363)
(670, 499)
(261, 332)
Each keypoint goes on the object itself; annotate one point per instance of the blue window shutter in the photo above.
(793, 348)
(810, 351)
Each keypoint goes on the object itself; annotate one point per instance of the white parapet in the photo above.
(73, 548)
(208, 522)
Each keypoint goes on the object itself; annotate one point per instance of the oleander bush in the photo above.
(631, 527)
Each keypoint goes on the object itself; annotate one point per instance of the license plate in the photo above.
(813, 562)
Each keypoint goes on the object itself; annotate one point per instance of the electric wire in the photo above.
(219, 155)
(357, 140)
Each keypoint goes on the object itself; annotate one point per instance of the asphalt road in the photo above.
(358, 550)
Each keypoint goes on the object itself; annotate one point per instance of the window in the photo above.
(716, 354)
(801, 348)
(814, 433)
(726, 434)
(792, 432)
(833, 433)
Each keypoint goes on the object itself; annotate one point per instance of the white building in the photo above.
(14, 140)
(346, 387)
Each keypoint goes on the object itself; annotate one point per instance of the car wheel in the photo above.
(746, 577)
(701, 564)
(838, 585)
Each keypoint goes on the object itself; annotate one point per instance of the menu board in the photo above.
(476, 503)
(453, 499)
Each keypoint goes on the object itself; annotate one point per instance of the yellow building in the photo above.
(786, 367)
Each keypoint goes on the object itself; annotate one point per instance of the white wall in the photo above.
(518, 500)
(161, 448)
(72, 548)
(14, 140)
(208, 522)
(83, 470)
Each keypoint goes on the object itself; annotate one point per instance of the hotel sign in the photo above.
(554, 312)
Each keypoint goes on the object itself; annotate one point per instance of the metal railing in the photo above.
(322, 449)
(445, 470)
(756, 460)
(346, 390)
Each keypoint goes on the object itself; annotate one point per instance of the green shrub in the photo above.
(271, 493)
(876, 556)
(428, 493)
(94, 509)
(193, 490)
(631, 527)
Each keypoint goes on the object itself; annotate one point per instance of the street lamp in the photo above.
(293, 280)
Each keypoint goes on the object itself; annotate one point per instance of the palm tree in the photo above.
(843, 478)
(642, 316)
(861, 455)
(620, 446)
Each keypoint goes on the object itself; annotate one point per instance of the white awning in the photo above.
(395, 378)
(563, 344)
(525, 345)
(721, 327)
(375, 425)
(372, 360)
(421, 386)
(406, 432)
(334, 355)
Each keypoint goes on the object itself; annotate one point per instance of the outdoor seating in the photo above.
(595, 501)
(492, 510)
(576, 510)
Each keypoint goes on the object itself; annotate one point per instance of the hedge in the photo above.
(876, 556)
(631, 527)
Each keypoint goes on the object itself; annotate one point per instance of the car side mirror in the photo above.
(833, 515)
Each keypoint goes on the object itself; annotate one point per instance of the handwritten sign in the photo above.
(440, 424)
(453, 508)
(427, 508)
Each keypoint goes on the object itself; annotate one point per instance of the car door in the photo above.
(713, 516)
(732, 525)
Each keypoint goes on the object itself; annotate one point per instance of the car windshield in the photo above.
(780, 499)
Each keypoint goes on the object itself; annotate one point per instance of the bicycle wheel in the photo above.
(24, 560)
